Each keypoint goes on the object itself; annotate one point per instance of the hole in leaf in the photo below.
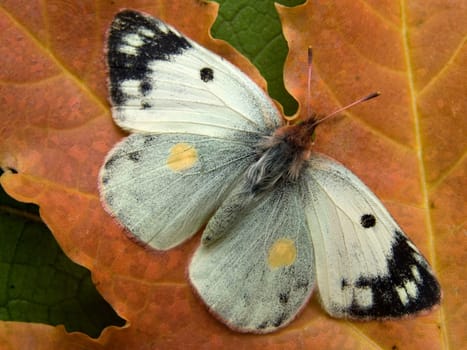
(254, 29)
(38, 283)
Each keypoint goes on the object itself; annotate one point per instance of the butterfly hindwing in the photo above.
(161, 81)
(366, 266)
(162, 188)
(260, 274)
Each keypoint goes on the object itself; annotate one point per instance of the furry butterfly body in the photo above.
(207, 145)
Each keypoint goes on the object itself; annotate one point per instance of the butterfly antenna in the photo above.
(363, 99)
(308, 87)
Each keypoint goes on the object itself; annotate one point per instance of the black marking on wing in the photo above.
(206, 74)
(280, 319)
(301, 282)
(288, 297)
(145, 87)
(160, 45)
(149, 140)
(284, 297)
(146, 105)
(368, 220)
(386, 300)
(135, 156)
(277, 322)
(111, 162)
(105, 179)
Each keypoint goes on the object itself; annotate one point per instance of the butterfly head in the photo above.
(304, 134)
(285, 153)
(281, 156)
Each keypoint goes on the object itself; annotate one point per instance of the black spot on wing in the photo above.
(109, 199)
(368, 220)
(146, 105)
(105, 179)
(279, 320)
(246, 299)
(276, 322)
(386, 300)
(206, 74)
(160, 44)
(290, 297)
(284, 297)
(302, 282)
(134, 156)
(145, 87)
(111, 161)
(149, 140)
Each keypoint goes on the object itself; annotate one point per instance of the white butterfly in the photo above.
(207, 145)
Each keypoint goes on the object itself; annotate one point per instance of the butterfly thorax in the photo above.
(282, 155)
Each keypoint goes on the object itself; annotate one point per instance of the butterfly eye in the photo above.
(367, 221)
(206, 74)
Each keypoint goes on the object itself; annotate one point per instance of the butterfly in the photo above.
(207, 145)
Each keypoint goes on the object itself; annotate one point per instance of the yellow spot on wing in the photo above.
(182, 156)
(282, 253)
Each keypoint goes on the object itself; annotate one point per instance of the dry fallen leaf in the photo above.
(408, 146)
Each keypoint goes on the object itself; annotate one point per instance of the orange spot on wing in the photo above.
(282, 253)
(182, 156)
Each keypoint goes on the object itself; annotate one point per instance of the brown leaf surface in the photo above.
(408, 146)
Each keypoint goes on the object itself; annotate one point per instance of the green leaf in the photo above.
(38, 283)
(254, 29)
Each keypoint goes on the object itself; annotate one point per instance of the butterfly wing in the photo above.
(196, 120)
(163, 188)
(259, 275)
(161, 81)
(366, 266)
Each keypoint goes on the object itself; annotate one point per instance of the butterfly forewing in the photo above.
(161, 81)
(366, 266)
